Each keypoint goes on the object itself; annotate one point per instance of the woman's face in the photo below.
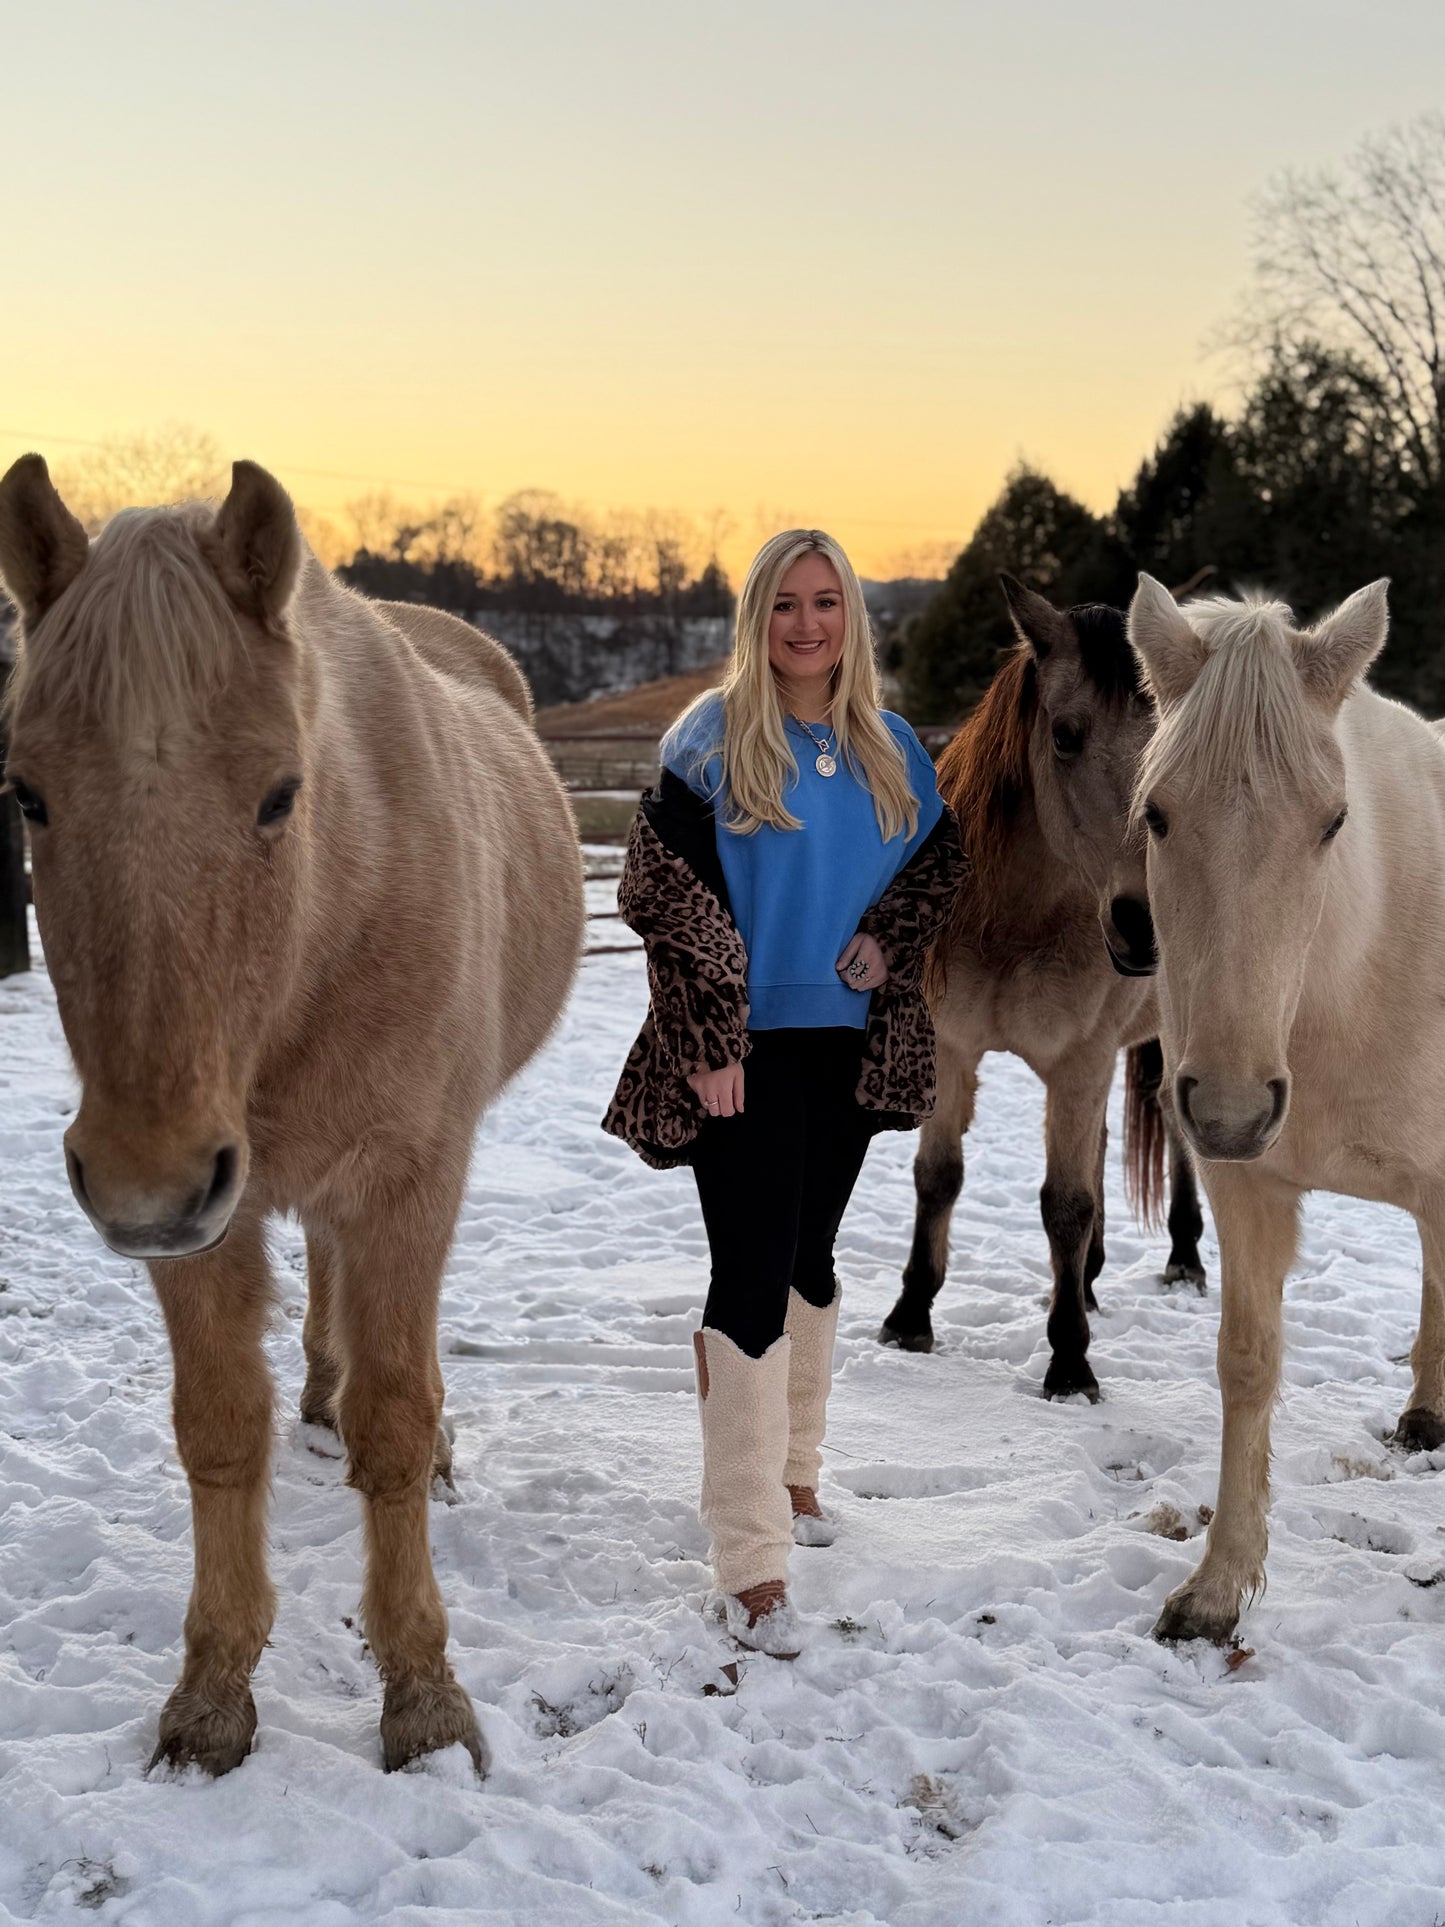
(805, 630)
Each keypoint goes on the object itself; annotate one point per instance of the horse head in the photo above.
(157, 749)
(1242, 792)
(1092, 722)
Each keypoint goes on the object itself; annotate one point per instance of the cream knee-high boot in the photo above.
(810, 1378)
(743, 1405)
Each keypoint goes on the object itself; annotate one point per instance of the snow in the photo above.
(981, 1730)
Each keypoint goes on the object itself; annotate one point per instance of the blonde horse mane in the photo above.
(1244, 723)
(144, 635)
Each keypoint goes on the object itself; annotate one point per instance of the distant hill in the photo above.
(644, 711)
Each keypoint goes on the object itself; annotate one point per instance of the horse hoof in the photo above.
(1186, 1617)
(195, 1731)
(1419, 1430)
(1181, 1272)
(920, 1341)
(317, 1407)
(421, 1716)
(1063, 1379)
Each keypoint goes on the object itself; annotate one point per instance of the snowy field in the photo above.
(982, 1731)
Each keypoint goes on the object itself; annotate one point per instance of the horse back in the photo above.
(456, 649)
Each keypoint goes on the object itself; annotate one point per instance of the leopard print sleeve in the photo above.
(697, 968)
(917, 903)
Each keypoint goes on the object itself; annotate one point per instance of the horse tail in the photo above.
(1144, 1134)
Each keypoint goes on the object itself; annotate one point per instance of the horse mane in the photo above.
(983, 774)
(1243, 723)
(144, 635)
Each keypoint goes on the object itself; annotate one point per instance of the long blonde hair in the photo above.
(757, 758)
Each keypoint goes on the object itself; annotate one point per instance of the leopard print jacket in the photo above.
(697, 974)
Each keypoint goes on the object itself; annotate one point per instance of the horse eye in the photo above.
(1068, 739)
(278, 805)
(30, 803)
(1157, 821)
(1333, 831)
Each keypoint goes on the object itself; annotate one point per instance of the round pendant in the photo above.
(825, 765)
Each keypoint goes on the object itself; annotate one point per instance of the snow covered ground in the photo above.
(983, 1730)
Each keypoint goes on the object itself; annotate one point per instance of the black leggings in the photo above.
(775, 1182)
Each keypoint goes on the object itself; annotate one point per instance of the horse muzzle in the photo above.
(176, 1219)
(1230, 1123)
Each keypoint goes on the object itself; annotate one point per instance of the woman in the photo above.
(786, 875)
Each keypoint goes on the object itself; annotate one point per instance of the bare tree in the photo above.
(174, 463)
(1356, 260)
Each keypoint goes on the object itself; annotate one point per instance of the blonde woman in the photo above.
(786, 875)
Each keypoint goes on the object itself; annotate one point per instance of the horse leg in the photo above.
(323, 1374)
(937, 1181)
(1257, 1218)
(1186, 1220)
(216, 1307)
(1094, 1262)
(389, 1405)
(1422, 1423)
(1078, 1091)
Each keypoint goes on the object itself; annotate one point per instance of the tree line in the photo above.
(534, 553)
(1329, 473)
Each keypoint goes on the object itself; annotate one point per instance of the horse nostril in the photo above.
(1182, 1088)
(76, 1171)
(1134, 924)
(1279, 1096)
(223, 1177)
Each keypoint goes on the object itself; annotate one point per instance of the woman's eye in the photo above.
(1157, 821)
(1068, 739)
(278, 804)
(30, 803)
(1333, 831)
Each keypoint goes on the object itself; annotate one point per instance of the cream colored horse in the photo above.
(1297, 879)
(310, 894)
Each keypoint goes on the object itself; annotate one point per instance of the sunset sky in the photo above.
(818, 260)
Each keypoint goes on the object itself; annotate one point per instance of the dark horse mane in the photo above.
(983, 775)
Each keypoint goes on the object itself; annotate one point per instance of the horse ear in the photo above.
(42, 546)
(1037, 621)
(1160, 635)
(1342, 645)
(257, 543)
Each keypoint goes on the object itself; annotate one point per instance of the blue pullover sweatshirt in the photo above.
(797, 895)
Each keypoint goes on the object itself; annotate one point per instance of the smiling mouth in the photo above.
(808, 648)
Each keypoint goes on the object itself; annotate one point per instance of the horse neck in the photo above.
(1385, 890)
(1022, 893)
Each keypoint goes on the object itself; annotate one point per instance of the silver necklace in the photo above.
(825, 762)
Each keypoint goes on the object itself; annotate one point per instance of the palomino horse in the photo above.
(1041, 777)
(1303, 1030)
(310, 895)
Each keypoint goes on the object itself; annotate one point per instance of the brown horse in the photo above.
(310, 894)
(1041, 779)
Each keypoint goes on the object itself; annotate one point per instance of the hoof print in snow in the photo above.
(937, 1806)
(1419, 1430)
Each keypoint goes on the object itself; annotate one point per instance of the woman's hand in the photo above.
(720, 1092)
(861, 965)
